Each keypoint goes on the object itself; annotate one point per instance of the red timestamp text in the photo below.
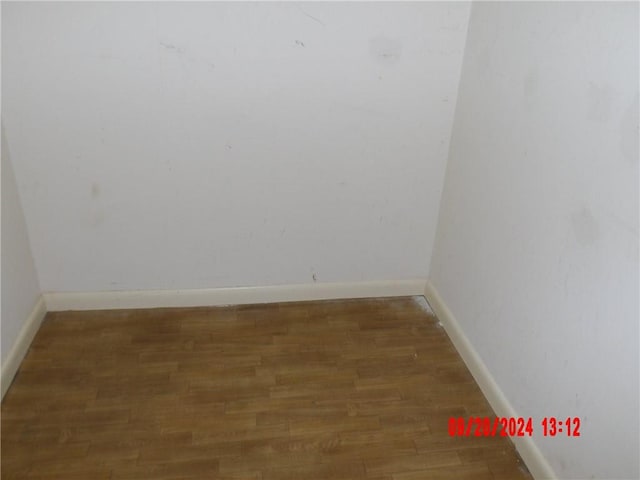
(512, 426)
(552, 426)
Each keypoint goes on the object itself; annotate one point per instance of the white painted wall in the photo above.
(195, 145)
(20, 289)
(537, 243)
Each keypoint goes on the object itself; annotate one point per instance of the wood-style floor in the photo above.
(358, 389)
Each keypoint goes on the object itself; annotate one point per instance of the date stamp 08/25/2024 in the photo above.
(513, 427)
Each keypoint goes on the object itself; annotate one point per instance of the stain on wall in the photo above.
(530, 83)
(599, 99)
(585, 227)
(630, 132)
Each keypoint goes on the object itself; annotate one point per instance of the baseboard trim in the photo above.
(529, 451)
(11, 365)
(60, 301)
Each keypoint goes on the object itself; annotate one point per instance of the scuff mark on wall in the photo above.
(172, 48)
(312, 17)
(385, 50)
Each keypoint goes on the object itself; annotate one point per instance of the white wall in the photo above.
(537, 244)
(20, 289)
(174, 145)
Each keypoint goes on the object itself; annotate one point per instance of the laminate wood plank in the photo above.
(407, 463)
(352, 470)
(176, 470)
(329, 425)
(204, 436)
(465, 472)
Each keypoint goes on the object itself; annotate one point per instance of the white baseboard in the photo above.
(529, 451)
(21, 346)
(60, 301)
